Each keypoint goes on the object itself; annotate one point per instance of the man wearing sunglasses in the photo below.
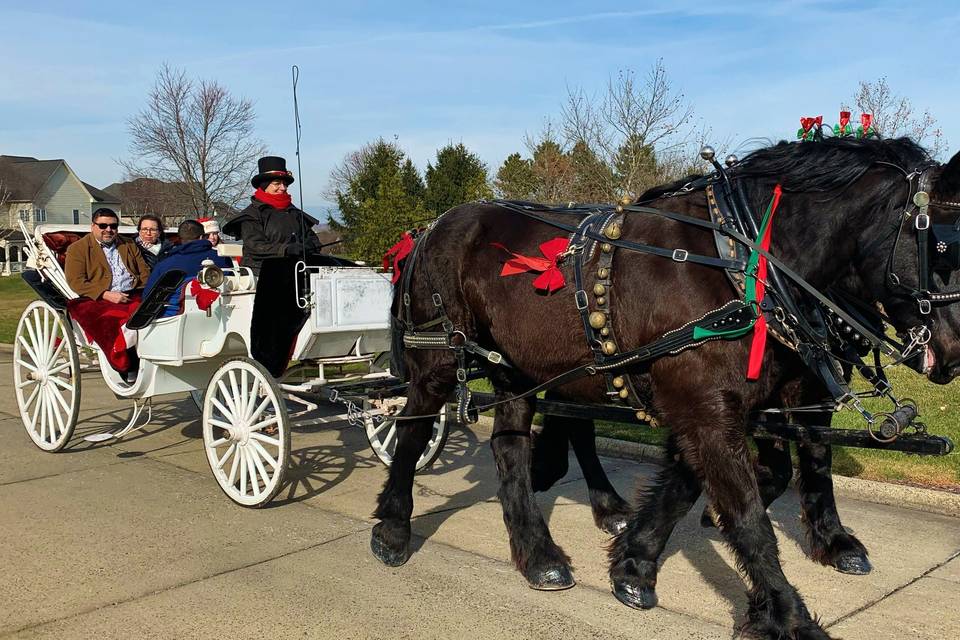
(103, 265)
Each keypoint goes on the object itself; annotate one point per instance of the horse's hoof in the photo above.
(553, 579)
(385, 553)
(613, 526)
(853, 564)
(635, 597)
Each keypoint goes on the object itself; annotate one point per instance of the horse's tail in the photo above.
(397, 366)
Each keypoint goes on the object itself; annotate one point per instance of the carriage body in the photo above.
(246, 412)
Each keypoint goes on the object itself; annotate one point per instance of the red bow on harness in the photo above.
(204, 297)
(552, 278)
(398, 252)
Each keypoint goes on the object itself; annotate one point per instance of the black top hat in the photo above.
(271, 168)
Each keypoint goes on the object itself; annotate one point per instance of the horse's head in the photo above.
(913, 283)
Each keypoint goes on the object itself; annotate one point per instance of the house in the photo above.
(42, 191)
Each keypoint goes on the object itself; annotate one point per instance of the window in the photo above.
(25, 215)
(39, 215)
(76, 216)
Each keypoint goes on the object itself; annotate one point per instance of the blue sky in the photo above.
(429, 73)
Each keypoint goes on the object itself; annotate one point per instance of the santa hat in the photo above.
(209, 225)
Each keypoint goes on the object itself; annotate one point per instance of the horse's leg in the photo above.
(776, 609)
(610, 511)
(830, 543)
(773, 467)
(537, 556)
(635, 551)
(390, 539)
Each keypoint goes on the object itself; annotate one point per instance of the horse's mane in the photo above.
(663, 189)
(829, 164)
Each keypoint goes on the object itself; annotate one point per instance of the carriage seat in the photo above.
(58, 242)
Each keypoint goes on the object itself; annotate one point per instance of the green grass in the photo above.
(939, 407)
(15, 295)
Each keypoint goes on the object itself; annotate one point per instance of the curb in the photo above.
(895, 495)
(6, 348)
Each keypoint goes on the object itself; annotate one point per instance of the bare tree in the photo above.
(633, 127)
(196, 135)
(895, 116)
(4, 197)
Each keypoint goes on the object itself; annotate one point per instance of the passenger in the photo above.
(103, 265)
(187, 256)
(211, 230)
(150, 239)
(271, 226)
(107, 271)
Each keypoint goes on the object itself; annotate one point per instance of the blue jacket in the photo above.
(189, 258)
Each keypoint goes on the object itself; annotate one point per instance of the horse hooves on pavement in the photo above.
(854, 564)
(388, 555)
(553, 579)
(635, 597)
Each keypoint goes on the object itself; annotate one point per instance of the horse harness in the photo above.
(824, 330)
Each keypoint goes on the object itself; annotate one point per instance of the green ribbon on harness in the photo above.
(750, 293)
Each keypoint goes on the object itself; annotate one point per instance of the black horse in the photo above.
(843, 201)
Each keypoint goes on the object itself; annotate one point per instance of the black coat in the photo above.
(269, 233)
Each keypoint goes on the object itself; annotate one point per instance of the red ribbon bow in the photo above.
(806, 123)
(204, 296)
(844, 118)
(552, 278)
(866, 119)
(398, 252)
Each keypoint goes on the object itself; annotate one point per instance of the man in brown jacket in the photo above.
(103, 265)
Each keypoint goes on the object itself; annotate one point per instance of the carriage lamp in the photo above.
(211, 276)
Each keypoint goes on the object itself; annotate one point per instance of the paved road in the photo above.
(135, 540)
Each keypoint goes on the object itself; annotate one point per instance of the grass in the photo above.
(940, 410)
(15, 295)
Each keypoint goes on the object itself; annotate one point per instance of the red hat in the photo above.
(209, 225)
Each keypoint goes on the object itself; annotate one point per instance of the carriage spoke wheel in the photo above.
(246, 432)
(46, 375)
(383, 436)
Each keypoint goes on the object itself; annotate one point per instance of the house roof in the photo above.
(23, 176)
(100, 195)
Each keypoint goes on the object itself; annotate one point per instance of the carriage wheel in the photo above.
(383, 436)
(246, 432)
(46, 375)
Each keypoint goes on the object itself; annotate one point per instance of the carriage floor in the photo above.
(135, 539)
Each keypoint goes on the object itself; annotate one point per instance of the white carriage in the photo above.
(247, 414)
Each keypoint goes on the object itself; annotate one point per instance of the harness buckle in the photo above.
(581, 299)
(461, 375)
(925, 306)
(494, 357)
(922, 221)
(437, 300)
(406, 299)
(680, 255)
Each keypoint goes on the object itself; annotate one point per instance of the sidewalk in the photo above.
(136, 540)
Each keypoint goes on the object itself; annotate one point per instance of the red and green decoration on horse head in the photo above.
(811, 128)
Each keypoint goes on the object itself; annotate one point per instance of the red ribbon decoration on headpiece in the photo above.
(806, 123)
(205, 297)
(844, 119)
(398, 252)
(866, 119)
(552, 278)
(819, 121)
(759, 341)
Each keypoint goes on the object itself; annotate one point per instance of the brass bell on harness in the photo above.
(606, 247)
(618, 382)
(642, 415)
(613, 231)
(625, 200)
(605, 331)
(599, 289)
(653, 423)
(601, 301)
(624, 394)
(598, 319)
(603, 273)
(609, 347)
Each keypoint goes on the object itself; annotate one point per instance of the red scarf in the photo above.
(275, 200)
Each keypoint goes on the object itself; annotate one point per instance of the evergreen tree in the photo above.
(458, 176)
(382, 198)
(592, 180)
(635, 166)
(552, 171)
(515, 179)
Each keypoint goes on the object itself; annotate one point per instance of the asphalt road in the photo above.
(135, 540)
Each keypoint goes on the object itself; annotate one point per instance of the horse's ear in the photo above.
(949, 183)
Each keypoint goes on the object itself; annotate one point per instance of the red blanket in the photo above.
(101, 321)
